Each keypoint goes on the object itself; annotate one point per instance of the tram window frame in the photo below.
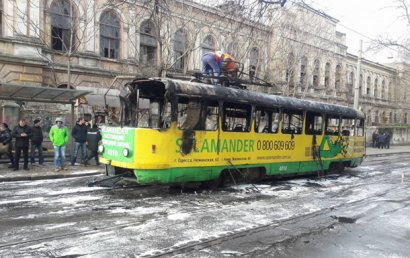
(211, 115)
(236, 111)
(360, 127)
(272, 117)
(166, 115)
(141, 116)
(289, 117)
(347, 126)
(312, 119)
(335, 124)
(188, 108)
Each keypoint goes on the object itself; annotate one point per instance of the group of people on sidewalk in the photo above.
(380, 140)
(83, 135)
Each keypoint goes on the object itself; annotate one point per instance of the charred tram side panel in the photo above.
(175, 131)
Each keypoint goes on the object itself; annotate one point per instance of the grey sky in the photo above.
(368, 17)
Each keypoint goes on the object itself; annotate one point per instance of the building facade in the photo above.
(100, 44)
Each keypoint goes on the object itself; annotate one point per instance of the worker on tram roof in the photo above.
(214, 63)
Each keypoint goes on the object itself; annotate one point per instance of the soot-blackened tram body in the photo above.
(178, 132)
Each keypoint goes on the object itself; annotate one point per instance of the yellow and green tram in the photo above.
(176, 132)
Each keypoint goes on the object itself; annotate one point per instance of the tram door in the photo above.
(292, 128)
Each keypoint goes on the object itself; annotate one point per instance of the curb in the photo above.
(43, 177)
(387, 153)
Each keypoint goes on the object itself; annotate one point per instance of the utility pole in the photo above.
(356, 85)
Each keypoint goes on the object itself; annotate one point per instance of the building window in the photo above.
(148, 43)
(303, 67)
(253, 62)
(179, 49)
(350, 78)
(109, 35)
(361, 85)
(233, 49)
(208, 45)
(338, 76)
(290, 78)
(327, 75)
(62, 25)
(315, 78)
(375, 88)
(383, 89)
(368, 85)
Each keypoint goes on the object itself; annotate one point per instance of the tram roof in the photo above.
(201, 90)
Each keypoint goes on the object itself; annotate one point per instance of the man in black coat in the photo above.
(36, 142)
(79, 134)
(93, 137)
(6, 140)
(22, 133)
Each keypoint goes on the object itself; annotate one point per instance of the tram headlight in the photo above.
(100, 148)
(125, 152)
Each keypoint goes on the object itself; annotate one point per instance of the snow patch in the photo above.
(178, 216)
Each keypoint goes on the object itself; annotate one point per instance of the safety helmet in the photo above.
(59, 119)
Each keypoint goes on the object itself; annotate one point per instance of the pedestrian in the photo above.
(37, 142)
(381, 141)
(213, 63)
(93, 138)
(79, 133)
(59, 138)
(6, 141)
(22, 133)
(387, 140)
(375, 137)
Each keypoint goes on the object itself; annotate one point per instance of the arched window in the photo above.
(179, 49)
(338, 76)
(383, 89)
(368, 85)
(208, 44)
(327, 75)
(290, 72)
(315, 78)
(375, 88)
(109, 35)
(253, 62)
(148, 43)
(233, 49)
(62, 25)
(303, 67)
(350, 78)
(350, 83)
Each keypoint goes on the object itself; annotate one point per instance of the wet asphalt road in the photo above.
(361, 213)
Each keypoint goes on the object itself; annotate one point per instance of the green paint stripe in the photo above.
(198, 174)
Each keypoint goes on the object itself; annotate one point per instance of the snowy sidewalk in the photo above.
(46, 171)
(394, 149)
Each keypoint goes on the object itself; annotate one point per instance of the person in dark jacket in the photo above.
(387, 140)
(36, 142)
(6, 140)
(79, 134)
(93, 137)
(22, 133)
(381, 140)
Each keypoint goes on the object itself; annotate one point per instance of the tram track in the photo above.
(211, 240)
